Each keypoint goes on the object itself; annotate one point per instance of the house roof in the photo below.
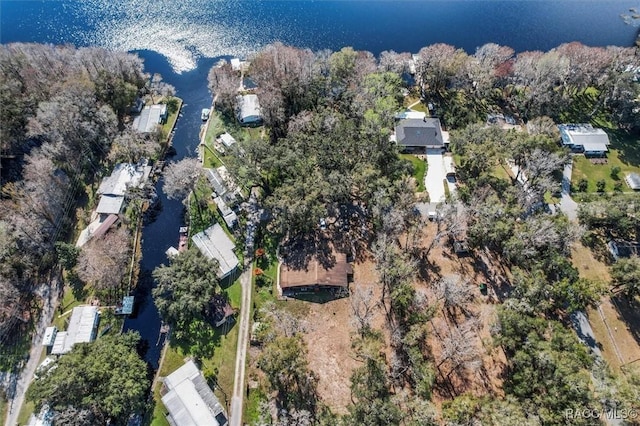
(424, 132)
(227, 139)
(214, 243)
(248, 109)
(317, 272)
(49, 336)
(104, 226)
(110, 204)
(623, 248)
(586, 136)
(149, 118)
(189, 399)
(81, 329)
(228, 215)
(216, 181)
(633, 180)
(124, 176)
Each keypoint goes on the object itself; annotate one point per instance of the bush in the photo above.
(583, 184)
(615, 172)
(617, 186)
(600, 185)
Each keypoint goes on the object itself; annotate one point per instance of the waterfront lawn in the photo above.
(175, 104)
(624, 152)
(211, 158)
(215, 350)
(419, 170)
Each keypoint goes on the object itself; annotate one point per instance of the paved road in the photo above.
(49, 294)
(237, 399)
(567, 205)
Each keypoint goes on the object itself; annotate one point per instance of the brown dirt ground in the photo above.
(442, 262)
(328, 337)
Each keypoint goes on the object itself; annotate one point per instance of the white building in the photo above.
(248, 111)
(49, 336)
(150, 118)
(584, 138)
(190, 401)
(214, 243)
(83, 327)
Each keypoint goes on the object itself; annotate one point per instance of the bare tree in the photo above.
(363, 307)
(460, 349)
(104, 261)
(454, 293)
(180, 178)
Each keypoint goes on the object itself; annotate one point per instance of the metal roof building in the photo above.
(82, 329)
(633, 180)
(189, 399)
(110, 204)
(214, 243)
(150, 117)
(248, 111)
(123, 177)
(584, 137)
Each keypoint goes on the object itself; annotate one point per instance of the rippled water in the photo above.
(186, 30)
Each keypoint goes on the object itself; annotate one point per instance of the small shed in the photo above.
(126, 307)
(227, 140)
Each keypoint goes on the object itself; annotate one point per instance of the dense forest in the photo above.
(65, 122)
(328, 117)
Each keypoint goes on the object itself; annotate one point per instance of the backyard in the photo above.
(624, 153)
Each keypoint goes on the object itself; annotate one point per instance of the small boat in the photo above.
(205, 114)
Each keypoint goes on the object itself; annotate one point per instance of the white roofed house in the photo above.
(82, 328)
(214, 243)
(248, 110)
(150, 118)
(189, 399)
(584, 138)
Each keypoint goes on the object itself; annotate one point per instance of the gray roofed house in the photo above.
(419, 134)
(248, 111)
(110, 204)
(229, 216)
(214, 243)
(82, 328)
(216, 182)
(633, 180)
(150, 117)
(123, 177)
(189, 399)
(584, 137)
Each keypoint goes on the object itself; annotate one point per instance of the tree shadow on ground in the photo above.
(629, 311)
(627, 146)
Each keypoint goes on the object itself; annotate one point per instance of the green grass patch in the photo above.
(420, 107)
(174, 112)
(252, 405)
(624, 152)
(159, 417)
(26, 411)
(419, 170)
(211, 158)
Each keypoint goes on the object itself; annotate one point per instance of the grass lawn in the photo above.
(419, 170)
(171, 119)
(159, 411)
(219, 363)
(421, 107)
(25, 412)
(624, 152)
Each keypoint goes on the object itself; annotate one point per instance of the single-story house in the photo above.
(125, 176)
(214, 243)
(150, 117)
(189, 399)
(248, 111)
(110, 204)
(622, 249)
(83, 326)
(229, 216)
(317, 274)
(216, 181)
(633, 180)
(584, 138)
(418, 134)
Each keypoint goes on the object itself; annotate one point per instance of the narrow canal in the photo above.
(162, 233)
